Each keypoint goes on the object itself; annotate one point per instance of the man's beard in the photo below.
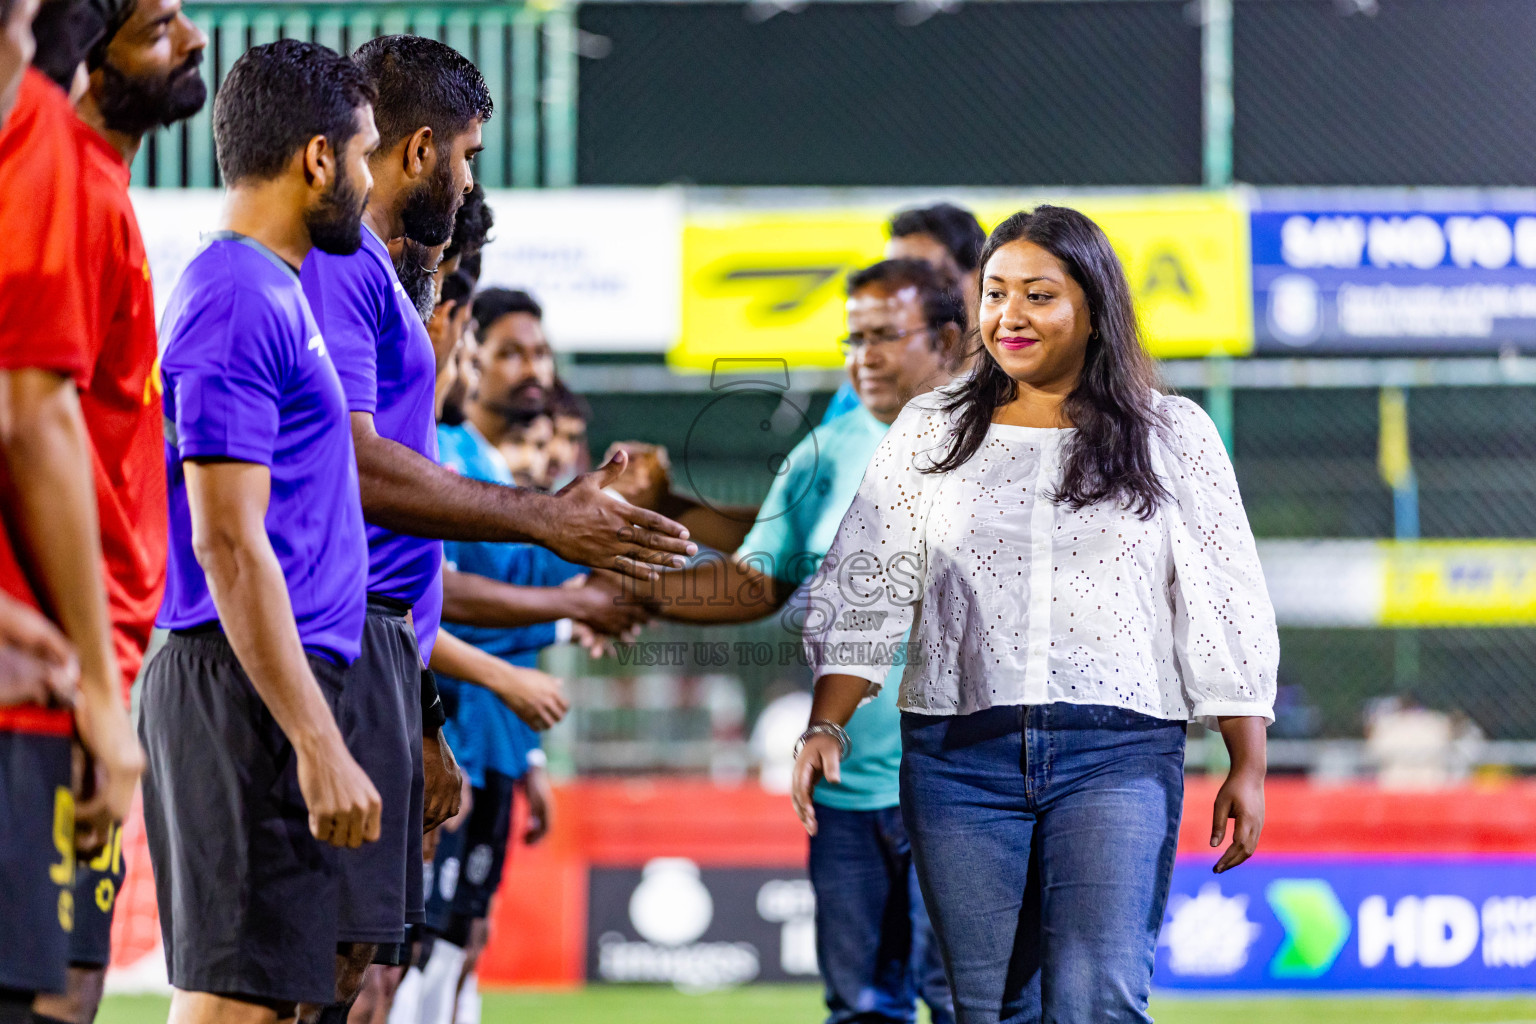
(517, 405)
(336, 225)
(429, 212)
(417, 279)
(134, 106)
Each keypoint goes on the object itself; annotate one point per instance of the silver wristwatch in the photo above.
(832, 729)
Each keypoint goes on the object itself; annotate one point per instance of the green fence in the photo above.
(527, 53)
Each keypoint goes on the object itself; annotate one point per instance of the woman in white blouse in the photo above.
(1060, 554)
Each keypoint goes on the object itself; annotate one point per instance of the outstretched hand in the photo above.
(596, 529)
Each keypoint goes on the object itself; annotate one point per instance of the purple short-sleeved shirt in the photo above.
(247, 377)
(386, 364)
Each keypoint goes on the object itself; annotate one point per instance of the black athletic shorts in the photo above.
(97, 882)
(248, 897)
(37, 861)
(467, 870)
(381, 720)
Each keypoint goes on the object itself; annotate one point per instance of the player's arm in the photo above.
(228, 505)
(408, 493)
(49, 456)
(541, 801)
(538, 698)
(600, 603)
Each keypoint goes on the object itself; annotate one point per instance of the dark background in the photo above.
(1420, 92)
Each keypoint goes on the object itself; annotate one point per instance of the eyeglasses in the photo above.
(857, 342)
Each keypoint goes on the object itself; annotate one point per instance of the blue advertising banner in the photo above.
(1366, 281)
(1351, 923)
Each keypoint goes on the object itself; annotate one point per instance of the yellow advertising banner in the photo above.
(769, 283)
(1459, 583)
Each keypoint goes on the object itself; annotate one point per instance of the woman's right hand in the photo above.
(820, 758)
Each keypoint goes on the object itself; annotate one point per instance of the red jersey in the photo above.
(44, 315)
(44, 318)
(121, 403)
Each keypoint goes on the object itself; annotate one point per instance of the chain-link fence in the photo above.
(940, 93)
(928, 92)
(523, 50)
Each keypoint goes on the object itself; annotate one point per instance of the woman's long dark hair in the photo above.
(1109, 455)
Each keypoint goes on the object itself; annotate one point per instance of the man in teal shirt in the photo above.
(945, 235)
(873, 942)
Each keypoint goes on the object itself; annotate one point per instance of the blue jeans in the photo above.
(874, 943)
(1044, 838)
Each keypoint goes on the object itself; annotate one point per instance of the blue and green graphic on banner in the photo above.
(1356, 923)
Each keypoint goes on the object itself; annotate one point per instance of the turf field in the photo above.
(795, 1004)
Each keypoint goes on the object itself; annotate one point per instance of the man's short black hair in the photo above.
(565, 402)
(457, 287)
(471, 227)
(494, 303)
(422, 83)
(955, 227)
(276, 98)
(65, 32)
(941, 299)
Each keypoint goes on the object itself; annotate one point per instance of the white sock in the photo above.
(440, 982)
(406, 1008)
(469, 1001)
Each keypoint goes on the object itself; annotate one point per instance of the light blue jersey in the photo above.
(795, 527)
(844, 400)
(484, 733)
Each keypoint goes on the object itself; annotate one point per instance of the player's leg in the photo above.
(466, 1008)
(207, 1008)
(863, 927)
(97, 882)
(406, 1008)
(485, 868)
(465, 882)
(1109, 823)
(376, 998)
(247, 897)
(37, 867)
(447, 932)
(970, 815)
(381, 721)
(352, 962)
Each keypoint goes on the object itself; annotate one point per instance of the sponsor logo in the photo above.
(1209, 934)
(1316, 927)
(672, 923)
(1352, 924)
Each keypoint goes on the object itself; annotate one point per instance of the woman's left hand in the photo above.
(1241, 797)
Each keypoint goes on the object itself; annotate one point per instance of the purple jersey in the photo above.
(247, 377)
(387, 368)
(427, 616)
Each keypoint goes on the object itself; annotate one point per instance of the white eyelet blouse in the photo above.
(1020, 600)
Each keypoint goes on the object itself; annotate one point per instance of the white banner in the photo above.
(606, 264)
(173, 222)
